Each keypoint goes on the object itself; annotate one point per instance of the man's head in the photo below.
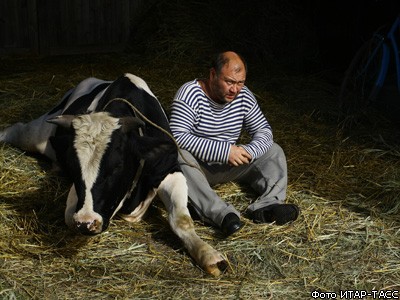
(227, 76)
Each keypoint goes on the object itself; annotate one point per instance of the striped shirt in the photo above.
(208, 129)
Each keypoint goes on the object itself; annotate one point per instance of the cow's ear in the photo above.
(130, 123)
(62, 120)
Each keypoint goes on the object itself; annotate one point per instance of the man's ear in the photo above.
(213, 74)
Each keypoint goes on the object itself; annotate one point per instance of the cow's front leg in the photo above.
(173, 193)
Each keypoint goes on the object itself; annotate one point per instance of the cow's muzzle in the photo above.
(89, 228)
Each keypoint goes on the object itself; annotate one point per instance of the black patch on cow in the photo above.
(67, 158)
(145, 103)
(60, 105)
(116, 173)
(160, 160)
(80, 105)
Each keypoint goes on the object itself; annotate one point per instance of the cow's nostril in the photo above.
(89, 228)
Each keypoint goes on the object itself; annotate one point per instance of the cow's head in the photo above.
(102, 155)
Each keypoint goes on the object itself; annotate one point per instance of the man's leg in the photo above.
(205, 201)
(267, 175)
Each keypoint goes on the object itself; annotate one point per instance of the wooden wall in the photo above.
(18, 25)
(48, 27)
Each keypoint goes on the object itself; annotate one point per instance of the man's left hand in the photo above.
(238, 156)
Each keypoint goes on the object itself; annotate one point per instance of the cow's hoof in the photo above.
(217, 269)
(212, 261)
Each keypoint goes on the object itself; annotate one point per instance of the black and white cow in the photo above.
(118, 161)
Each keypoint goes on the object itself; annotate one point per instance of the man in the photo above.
(207, 117)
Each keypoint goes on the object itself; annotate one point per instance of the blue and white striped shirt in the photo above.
(208, 129)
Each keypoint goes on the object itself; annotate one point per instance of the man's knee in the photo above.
(186, 158)
(276, 150)
(275, 153)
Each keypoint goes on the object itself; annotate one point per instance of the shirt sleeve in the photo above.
(183, 117)
(260, 131)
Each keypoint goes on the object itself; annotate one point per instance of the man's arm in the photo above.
(181, 124)
(259, 129)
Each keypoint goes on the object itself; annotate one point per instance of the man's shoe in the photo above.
(230, 224)
(278, 213)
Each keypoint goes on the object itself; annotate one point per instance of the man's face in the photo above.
(227, 85)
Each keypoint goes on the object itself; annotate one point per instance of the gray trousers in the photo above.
(267, 175)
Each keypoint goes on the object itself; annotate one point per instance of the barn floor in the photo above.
(347, 184)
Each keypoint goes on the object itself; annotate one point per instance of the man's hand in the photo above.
(238, 156)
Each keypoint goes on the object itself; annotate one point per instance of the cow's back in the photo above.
(83, 98)
(133, 89)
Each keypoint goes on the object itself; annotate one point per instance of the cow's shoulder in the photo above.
(140, 83)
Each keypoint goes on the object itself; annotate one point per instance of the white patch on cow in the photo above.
(174, 188)
(95, 101)
(141, 209)
(140, 83)
(173, 193)
(93, 134)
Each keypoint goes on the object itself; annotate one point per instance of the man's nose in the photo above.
(234, 88)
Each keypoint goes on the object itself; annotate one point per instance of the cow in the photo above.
(112, 139)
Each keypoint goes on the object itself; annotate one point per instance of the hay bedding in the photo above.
(347, 236)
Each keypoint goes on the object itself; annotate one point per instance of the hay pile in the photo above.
(347, 236)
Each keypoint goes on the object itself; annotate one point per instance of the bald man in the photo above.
(207, 118)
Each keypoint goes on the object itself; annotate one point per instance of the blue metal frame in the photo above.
(392, 38)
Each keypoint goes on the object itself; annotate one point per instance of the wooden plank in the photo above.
(83, 26)
(68, 26)
(18, 26)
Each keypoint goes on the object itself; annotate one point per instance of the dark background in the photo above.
(342, 26)
(278, 38)
(305, 36)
